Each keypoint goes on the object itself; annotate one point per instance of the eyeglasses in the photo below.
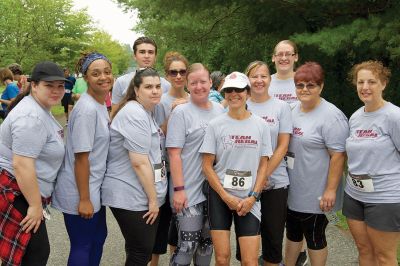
(237, 90)
(309, 86)
(281, 55)
(174, 72)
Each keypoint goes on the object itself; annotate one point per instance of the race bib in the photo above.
(159, 172)
(361, 182)
(289, 158)
(239, 180)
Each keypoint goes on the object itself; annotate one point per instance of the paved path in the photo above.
(341, 246)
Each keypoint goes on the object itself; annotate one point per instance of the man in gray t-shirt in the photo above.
(144, 53)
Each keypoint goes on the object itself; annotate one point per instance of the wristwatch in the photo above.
(254, 194)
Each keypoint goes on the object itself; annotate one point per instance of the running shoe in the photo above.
(302, 259)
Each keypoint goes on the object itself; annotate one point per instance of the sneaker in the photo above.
(302, 259)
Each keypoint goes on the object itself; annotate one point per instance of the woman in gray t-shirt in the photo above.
(372, 194)
(315, 163)
(282, 84)
(31, 153)
(77, 191)
(277, 115)
(135, 182)
(236, 149)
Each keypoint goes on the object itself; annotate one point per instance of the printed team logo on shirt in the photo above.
(366, 134)
(61, 133)
(285, 96)
(297, 132)
(270, 120)
(239, 141)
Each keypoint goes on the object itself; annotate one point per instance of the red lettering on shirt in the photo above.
(366, 133)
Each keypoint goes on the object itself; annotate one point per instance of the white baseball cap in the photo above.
(236, 80)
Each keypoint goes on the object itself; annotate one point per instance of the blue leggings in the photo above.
(87, 237)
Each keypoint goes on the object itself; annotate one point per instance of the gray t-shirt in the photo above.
(88, 131)
(314, 133)
(373, 149)
(31, 131)
(122, 83)
(132, 130)
(186, 129)
(238, 146)
(163, 109)
(283, 89)
(277, 115)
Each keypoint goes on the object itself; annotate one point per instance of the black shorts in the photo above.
(166, 231)
(311, 225)
(173, 231)
(160, 245)
(67, 100)
(221, 217)
(380, 216)
(273, 219)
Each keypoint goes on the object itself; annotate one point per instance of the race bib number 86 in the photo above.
(239, 180)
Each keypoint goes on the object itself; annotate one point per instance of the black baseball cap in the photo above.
(47, 71)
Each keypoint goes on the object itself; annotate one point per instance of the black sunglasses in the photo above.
(237, 90)
(174, 72)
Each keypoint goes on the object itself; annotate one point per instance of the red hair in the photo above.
(310, 72)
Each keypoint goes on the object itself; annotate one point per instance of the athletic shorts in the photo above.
(160, 245)
(380, 216)
(66, 100)
(221, 217)
(173, 231)
(273, 219)
(311, 225)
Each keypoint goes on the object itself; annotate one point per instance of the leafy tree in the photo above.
(34, 30)
(37, 30)
(118, 54)
(228, 34)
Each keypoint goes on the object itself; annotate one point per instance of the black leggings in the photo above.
(38, 250)
(139, 236)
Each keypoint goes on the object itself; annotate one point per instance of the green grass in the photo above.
(57, 110)
(398, 254)
(342, 221)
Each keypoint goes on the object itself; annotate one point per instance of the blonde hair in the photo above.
(196, 67)
(289, 42)
(255, 64)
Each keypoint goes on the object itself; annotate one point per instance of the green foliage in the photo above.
(37, 30)
(118, 54)
(57, 110)
(228, 34)
(342, 221)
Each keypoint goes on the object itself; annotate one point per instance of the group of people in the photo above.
(177, 168)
